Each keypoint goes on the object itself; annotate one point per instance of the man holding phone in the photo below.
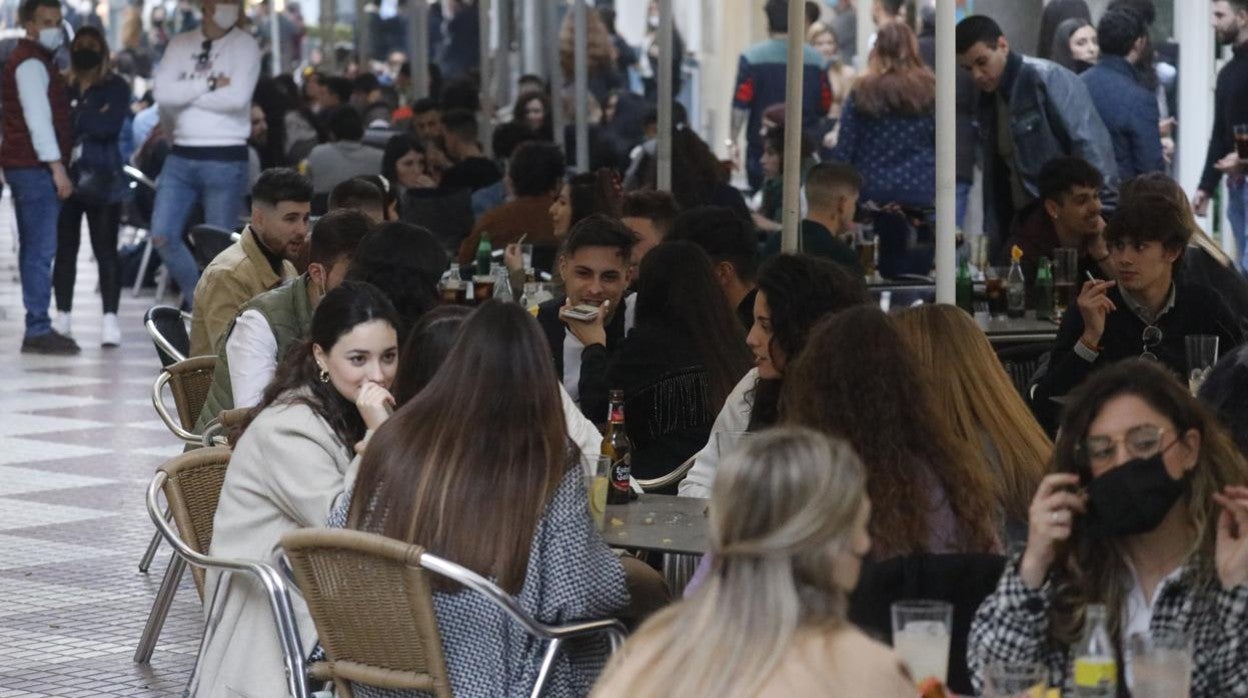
(594, 266)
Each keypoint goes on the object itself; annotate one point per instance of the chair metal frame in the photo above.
(555, 635)
(163, 342)
(162, 411)
(275, 588)
(671, 478)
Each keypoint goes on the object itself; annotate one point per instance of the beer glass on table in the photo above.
(1161, 666)
(1065, 279)
(1015, 680)
(865, 244)
(921, 633)
(597, 480)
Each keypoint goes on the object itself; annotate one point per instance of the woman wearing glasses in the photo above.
(1146, 513)
(1144, 312)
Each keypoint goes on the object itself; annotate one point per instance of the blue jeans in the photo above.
(218, 185)
(37, 208)
(1237, 212)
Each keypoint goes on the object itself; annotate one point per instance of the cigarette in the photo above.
(1091, 278)
(521, 240)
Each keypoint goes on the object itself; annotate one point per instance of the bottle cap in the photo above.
(1016, 253)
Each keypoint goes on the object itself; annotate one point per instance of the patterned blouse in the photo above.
(572, 575)
(895, 154)
(1013, 623)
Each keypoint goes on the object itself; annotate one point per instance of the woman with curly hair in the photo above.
(932, 492)
(1145, 514)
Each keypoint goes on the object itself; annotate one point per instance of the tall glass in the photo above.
(1015, 680)
(1202, 354)
(865, 244)
(994, 289)
(526, 254)
(1161, 666)
(596, 483)
(921, 632)
(1065, 279)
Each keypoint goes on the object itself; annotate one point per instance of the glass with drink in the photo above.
(994, 289)
(1015, 680)
(526, 254)
(1065, 279)
(921, 631)
(865, 244)
(1202, 354)
(1161, 666)
(453, 289)
(482, 288)
(597, 482)
(1241, 140)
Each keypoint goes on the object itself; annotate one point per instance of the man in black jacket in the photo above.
(1230, 23)
(594, 266)
(1145, 312)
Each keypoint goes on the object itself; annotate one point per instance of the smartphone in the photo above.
(584, 312)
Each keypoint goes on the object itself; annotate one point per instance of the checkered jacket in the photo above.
(1013, 625)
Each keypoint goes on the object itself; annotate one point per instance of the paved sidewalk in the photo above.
(79, 442)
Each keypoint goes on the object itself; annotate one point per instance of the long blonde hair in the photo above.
(781, 509)
(977, 398)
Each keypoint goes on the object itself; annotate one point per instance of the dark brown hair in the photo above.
(857, 379)
(896, 80)
(432, 476)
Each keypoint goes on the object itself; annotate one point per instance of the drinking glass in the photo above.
(526, 254)
(596, 483)
(865, 245)
(1065, 279)
(921, 632)
(482, 289)
(1202, 354)
(994, 289)
(1015, 680)
(1161, 665)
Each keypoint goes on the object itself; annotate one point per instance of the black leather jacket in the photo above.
(1051, 115)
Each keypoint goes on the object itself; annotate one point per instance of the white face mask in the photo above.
(51, 38)
(225, 16)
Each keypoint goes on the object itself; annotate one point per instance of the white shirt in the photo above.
(32, 92)
(572, 349)
(204, 117)
(733, 419)
(251, 349)
(1137, 613)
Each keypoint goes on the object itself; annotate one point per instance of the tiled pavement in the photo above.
(78, 443)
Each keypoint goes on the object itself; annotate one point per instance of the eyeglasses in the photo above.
(1151, 338)
(1142, 441)
(202, 58)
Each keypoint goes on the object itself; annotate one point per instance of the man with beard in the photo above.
(1066, 214)
(1230, 24)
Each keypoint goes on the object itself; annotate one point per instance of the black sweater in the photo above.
(1229, 108)
(1197, 310)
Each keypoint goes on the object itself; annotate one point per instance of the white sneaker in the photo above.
(60, 323)
(110, 334)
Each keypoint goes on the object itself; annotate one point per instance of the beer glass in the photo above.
(1161, 665)
(1202, 354)
(921, 632)
(1065, 279)
(1015, 680)
(865, 245)
(596, 483)
(526, 254)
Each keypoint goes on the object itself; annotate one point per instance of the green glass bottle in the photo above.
(965, 289)
(484, 251)
(1044, 290)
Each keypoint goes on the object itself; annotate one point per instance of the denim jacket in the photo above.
(1051, 115)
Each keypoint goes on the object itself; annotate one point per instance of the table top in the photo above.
(658, 522)
(1027, 325)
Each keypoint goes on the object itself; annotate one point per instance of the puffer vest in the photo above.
(17, 149)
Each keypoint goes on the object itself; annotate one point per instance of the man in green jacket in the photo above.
(269, 324)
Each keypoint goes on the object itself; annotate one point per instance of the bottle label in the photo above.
(621, 470)
(1095, 672)
(616, 415)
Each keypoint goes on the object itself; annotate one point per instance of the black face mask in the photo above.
(1132, 498)
(85, 59)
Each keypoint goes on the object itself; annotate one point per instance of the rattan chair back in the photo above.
(193, 489)
(373, 608)
(189, 381)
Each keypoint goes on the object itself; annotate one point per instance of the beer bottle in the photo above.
(484, 252)
(616, 446)
(965, 288)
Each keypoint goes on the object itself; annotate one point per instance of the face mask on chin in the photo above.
(1132, 498)
(225, 16)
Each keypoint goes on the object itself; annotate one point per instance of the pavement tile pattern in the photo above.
(79, 442)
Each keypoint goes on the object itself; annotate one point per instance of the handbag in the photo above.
(94, 187)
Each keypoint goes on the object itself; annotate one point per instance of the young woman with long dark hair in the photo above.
(681, 323)
(932, 493)
(288, 468)
(511, 506)
(794, 292)
(1144, 512)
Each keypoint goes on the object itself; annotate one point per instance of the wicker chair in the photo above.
(192, 485)
(370, 599)
(220, 431)
(188, 381)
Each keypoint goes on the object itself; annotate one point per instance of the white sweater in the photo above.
(204, 117)
(733, 420)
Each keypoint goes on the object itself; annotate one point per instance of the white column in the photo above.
(580, 53)
(1193, 31)
(789, 240)
(364, 42)
(531, 38)
(418, 46)
(504, 10)
(664, 180)
(866, 27)
(555, 74)
(486, 127)
(946, 152)
(275, 39)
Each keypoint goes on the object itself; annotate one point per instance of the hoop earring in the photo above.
(324, 376)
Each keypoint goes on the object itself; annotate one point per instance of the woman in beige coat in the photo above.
(290, 465)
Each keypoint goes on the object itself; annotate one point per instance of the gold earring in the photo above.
(324, 375)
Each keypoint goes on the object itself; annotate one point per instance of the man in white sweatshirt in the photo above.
(203, 87)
